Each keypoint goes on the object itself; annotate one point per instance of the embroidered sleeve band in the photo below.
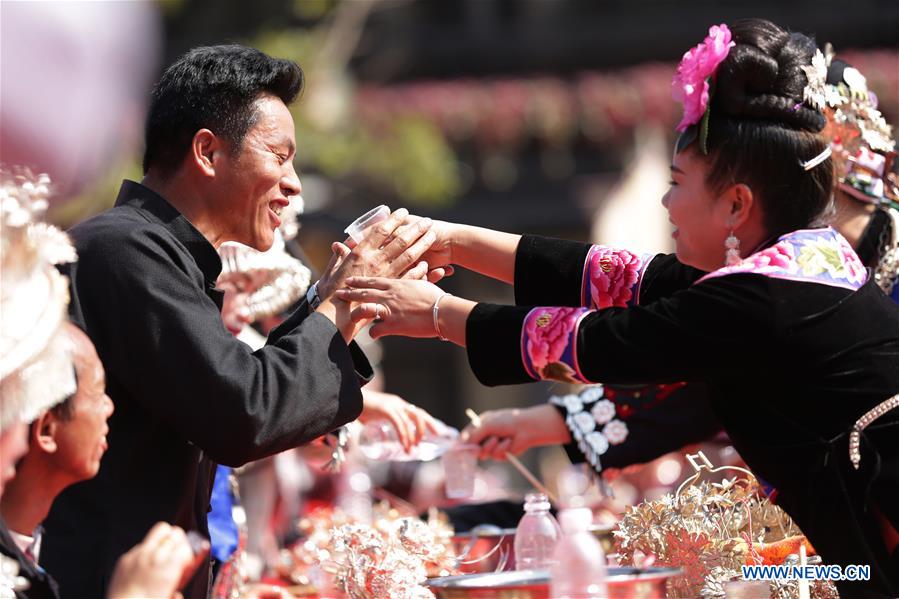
(549, 344)
(591, 419)
(612, 277)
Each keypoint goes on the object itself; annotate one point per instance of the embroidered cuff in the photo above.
(590, 417)
(612, 277)
(549, 344)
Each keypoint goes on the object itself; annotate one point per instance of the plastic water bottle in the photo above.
(579, 571)
(379, 441)
(537, 534)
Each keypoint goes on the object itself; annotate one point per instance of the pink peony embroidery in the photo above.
(548, 333)
(815, 255)
(777, 256)
(690, 85)
(613, 274)
(856, 272)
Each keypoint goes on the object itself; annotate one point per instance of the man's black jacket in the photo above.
(187, 394)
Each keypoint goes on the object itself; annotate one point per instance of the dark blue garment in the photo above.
(222, 528)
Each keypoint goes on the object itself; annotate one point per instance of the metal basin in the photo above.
(481, 554)
(623, 583)
(485, 548)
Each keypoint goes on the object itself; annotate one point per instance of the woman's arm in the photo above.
(557, 272)
(488, 252)
(685, 336)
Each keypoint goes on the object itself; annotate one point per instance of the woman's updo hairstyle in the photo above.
(760, 130)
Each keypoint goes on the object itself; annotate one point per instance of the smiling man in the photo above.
(218, 167)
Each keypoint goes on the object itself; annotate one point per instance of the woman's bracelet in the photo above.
(435, 312)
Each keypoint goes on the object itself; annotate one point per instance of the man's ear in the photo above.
(737, 203)
(203, 148)
(43, 432)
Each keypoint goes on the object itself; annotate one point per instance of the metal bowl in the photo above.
(480, 553)
(622, 583)
(485, 548)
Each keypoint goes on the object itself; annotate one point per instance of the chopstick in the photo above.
(476, 420)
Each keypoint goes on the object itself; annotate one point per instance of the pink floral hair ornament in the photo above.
(692, 85)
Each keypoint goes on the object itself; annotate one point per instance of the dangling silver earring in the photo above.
(732, 253)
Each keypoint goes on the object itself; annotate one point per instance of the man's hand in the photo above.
(157, 567)
(389, 250)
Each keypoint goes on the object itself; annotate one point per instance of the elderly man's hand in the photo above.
(158, 566)
(390, 249)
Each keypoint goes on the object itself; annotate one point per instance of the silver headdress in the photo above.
(36, 369)
(863, 145)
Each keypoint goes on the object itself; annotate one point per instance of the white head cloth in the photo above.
(36, 369)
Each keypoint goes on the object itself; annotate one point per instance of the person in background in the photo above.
(867, 193)
(66, 443)
(36, 371)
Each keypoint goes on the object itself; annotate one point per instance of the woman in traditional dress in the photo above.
(798, 344)
(651, 420)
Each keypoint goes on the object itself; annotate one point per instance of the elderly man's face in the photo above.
(257, 182)
(13, 445)
(81, 435)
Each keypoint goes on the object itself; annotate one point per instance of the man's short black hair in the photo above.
(212, 87)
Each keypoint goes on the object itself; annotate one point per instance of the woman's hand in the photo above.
(391, 248)
(402, 307)
(491, 253)
(410, 421)
(440, 254)
(157, 567)
(517, 430)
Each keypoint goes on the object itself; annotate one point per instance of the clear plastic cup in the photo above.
(460, 466)
(357, 228)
